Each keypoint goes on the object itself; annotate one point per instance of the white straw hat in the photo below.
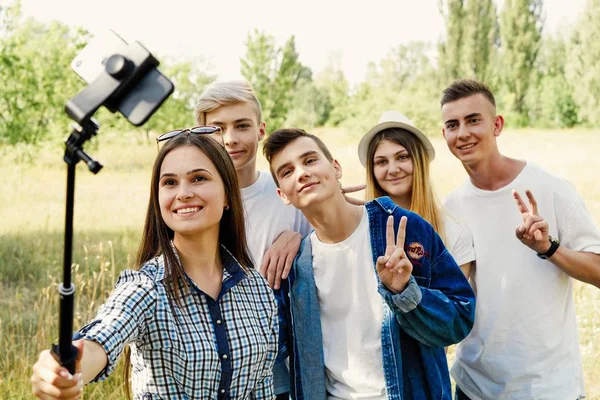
(393, 119)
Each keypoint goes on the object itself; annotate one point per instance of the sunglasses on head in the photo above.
(198, 130)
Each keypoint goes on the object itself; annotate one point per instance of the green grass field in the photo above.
(109, 214)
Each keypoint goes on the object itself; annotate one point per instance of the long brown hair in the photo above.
(423, 200)
(157, 236)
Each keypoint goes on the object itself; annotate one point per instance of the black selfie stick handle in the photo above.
(65, 352)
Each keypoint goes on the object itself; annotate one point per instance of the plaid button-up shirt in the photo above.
(210, 349)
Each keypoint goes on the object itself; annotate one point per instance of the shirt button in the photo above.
(224, 356)
(218, 322)
(222, 391)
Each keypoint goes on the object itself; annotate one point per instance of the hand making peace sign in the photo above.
(394, 267)
(533, 233)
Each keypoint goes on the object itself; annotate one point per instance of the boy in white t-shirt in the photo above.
(367, 312)
(273, 229)
(524, 343)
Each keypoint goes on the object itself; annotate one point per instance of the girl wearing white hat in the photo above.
(397, 155)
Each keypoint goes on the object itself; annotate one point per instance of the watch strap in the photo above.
(554, 244)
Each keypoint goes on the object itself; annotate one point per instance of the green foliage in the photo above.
(550, 101)
(450, 58)
(35, 81)
(521, 24)
(403, 81)
(481, 40)
(275, 73)
(470, 48)
(336, 88)
(583, 69)
(310, 107)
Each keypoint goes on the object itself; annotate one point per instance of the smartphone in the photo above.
(144, 98)
(89, 63)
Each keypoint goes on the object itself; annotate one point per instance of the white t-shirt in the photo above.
(524, 343)
(267, 216)
(351, 315)
(458, 240)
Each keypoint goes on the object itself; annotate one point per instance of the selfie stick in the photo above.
(122, 74)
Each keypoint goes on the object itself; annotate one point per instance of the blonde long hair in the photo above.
(423, 200)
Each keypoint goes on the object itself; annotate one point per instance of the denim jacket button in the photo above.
(389, 210)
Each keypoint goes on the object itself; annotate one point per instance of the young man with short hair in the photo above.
(524, 343)
(273, 230)
(368, 312)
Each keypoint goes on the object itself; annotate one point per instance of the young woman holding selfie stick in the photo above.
(199, 320)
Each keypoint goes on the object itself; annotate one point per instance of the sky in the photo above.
(352, 32)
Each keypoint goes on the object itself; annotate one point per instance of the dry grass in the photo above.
(109, 213)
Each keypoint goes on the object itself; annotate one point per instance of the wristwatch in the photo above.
(554, 243)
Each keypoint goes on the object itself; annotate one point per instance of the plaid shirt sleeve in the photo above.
(122, 318)
(264, 388)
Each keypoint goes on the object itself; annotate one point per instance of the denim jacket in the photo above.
(436, 309)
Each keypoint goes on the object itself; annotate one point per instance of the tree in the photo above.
(521, 24)
(403, 65)
(405, 81)
(550, 101)
(583, 69)
(274, 73)
(450, 55)
(311, 106)
(480, 40)
(336, 87)
(36, 78)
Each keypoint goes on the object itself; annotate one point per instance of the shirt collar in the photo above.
(232, 270)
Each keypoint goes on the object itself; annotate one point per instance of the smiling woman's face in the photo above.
(393, 169)
(190, 192)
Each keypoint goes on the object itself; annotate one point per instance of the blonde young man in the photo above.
(524, 343)
(273, 229)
